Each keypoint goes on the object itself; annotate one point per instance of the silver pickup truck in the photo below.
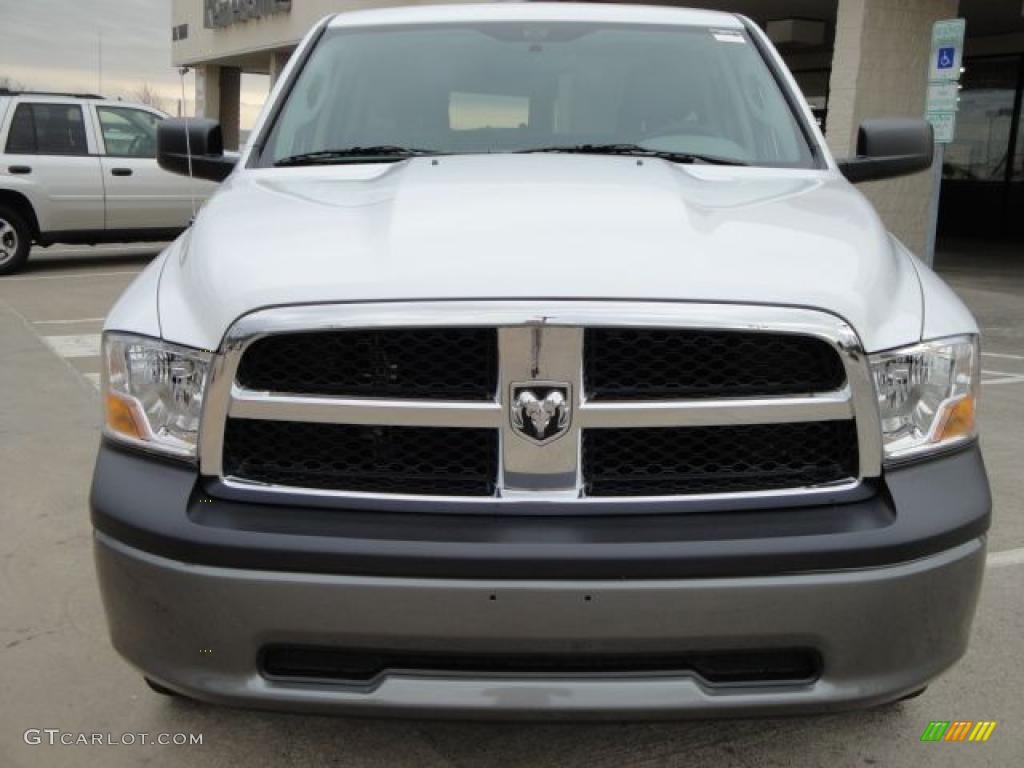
(78, 168)
(539, 360)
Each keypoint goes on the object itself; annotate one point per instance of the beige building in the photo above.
(854, 59)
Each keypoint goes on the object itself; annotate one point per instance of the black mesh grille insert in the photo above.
(355, 666)
(721, 459)
(343, 457)
(650, 364)
(433, 363)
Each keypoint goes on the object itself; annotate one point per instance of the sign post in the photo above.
(944, 65)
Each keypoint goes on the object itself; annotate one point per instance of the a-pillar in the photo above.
(880, 69)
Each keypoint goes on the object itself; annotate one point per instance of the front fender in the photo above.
(943, 313)
(137, 311)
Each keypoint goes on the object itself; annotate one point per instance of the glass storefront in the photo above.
(814, 85)
(983, 170)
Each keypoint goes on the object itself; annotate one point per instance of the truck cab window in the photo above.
(498, 87)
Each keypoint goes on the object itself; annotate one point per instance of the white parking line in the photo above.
(93, 346)
(75, 275)
(1008, 379)
(70, 322)
(100, 248)
(1007, 557)
(1003, 355)
(82, 345)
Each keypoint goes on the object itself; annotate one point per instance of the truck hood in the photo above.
(538, 227)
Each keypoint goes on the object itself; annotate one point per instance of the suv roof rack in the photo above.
(8, 92)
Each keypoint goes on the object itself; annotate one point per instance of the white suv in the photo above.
(82, 169)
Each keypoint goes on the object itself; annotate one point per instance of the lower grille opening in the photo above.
(362, 667)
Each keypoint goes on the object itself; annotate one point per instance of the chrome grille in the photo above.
(665, 364)
(806, 442)
(443, 363)
(722, 459)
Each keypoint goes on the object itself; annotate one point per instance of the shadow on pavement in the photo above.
(46, 261)
(864, 738)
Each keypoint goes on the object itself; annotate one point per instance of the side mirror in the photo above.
(176, 138)
(888, 147)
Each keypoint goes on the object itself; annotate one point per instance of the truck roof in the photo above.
(524, 11)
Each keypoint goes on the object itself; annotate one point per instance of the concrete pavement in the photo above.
(59, 671)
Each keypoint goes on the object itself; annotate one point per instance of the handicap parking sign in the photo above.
(947, 50)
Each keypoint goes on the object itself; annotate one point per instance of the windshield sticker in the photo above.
(728, 36)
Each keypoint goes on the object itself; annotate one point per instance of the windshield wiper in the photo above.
(635, 150)
(386, 153)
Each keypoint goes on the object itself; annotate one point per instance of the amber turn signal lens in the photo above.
(121, 418)
(958, 420)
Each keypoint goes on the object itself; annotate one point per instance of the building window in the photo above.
(983, 169)
(476, 111)
(985, 121)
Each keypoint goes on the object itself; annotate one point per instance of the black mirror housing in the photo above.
(889, 147)
(176, 138)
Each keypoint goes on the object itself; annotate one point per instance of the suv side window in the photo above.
(47, 129)
(128, 132)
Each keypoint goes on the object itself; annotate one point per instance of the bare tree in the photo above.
(10, 84)
(147, 94)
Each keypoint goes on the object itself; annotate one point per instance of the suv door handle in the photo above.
(20, 169)
(121, 172)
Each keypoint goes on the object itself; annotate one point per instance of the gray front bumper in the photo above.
(882, 632)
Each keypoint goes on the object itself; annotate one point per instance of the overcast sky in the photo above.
(54, 45)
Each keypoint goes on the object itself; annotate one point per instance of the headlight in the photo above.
(153, 393)
(927, 395)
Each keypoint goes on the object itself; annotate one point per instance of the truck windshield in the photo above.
(687, 93)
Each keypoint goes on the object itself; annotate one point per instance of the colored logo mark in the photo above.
(958, 730)
(946, 58)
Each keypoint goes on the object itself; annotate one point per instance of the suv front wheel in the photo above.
(15, 241)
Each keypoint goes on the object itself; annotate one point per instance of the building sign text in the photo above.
(223, 13)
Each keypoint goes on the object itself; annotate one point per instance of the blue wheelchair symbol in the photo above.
(946, 58)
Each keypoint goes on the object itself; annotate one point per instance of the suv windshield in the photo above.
(692, 92)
